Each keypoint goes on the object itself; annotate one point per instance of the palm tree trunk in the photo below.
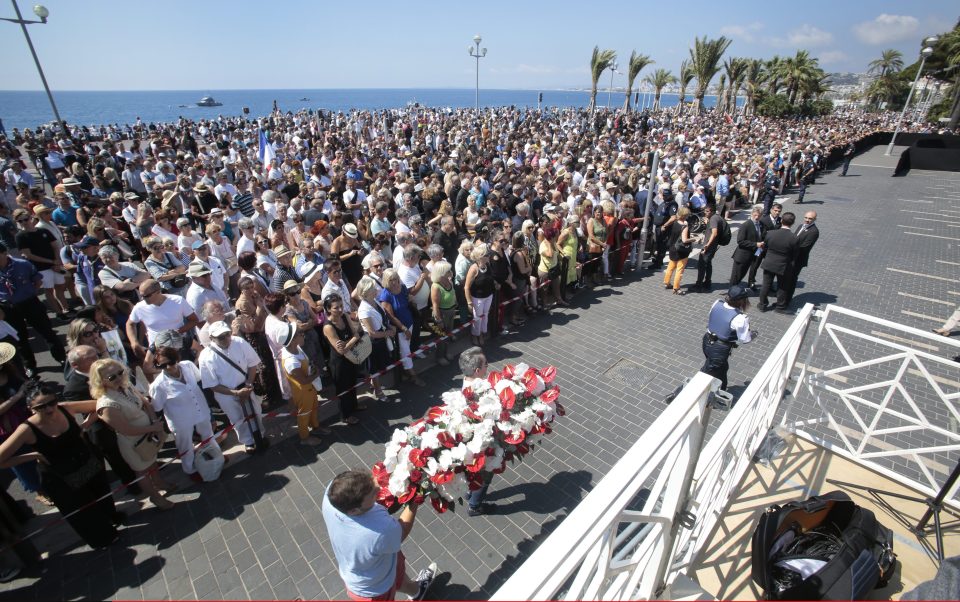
(626, 101)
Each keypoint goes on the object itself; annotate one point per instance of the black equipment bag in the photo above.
(823, 548)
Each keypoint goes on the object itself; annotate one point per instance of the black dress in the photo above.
(352, 266)
(74, 477)
(344, 373)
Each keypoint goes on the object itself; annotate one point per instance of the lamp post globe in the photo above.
(41, 11)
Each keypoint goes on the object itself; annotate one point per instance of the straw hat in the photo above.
(7, 351)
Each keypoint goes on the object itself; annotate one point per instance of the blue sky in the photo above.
(216, 44)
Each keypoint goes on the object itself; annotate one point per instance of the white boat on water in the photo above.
(208, 101)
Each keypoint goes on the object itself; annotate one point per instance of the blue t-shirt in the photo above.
(400, 304)
(366, 547)
(18, 281)
(65, 218)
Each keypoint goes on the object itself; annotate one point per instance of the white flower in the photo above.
(445, 460)
(432, 466)
(520, 369)
(461, 454)
(526, 419)
(430, 438)
(456, 488)
(399, 436)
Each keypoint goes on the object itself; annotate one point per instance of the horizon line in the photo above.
(551, 88)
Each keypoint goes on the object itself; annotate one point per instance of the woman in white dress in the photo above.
(177, 393)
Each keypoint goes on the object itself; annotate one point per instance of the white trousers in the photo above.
(183, 436)
(481, 311)
(234, 412)
(405, 358)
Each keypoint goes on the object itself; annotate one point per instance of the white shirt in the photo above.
(185, 243)
(292, 361)
(246, 244)
(340, 289)
(214, 370)
(169, 315)
(197, 296)
(182, 403)
(218, 273)
(368, 311)
(409, 276)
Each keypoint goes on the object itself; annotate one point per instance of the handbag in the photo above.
(361, 351)
(148, 446)
(682, 249)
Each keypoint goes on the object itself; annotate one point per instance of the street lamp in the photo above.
(42, 12)
(928, 45)
(613, 69)
(477, 53)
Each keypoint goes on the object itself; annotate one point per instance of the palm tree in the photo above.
(720, 106)
(705, 60)
(890, 61)
(774, 68)
(659, 79)
(753, 77)
(600, 61)
(686, 76)
(637, 63)
(735, 69)
(797, 69)
(814, 87)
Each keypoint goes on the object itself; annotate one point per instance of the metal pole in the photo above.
(477, 98)
(610, 89)
(907, 104)
(36, 60)
(646, 209)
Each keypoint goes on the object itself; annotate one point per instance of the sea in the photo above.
(27, 109)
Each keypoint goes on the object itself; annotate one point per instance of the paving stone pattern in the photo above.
(258, 532)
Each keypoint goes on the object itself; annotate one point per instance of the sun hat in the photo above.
(292, 286)
(350, 230)
(219, 328)
(7, 351)
(197, 269)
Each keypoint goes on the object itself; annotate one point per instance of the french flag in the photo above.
(267, 153)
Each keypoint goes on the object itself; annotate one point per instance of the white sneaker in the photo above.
(425, 579)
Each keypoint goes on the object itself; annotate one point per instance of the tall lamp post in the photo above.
(928, 45)
(477, 53)
(42, 12)
(613, 69)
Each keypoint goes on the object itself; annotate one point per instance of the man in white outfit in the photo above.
(228, 367)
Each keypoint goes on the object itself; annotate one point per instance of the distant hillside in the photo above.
(845, 79)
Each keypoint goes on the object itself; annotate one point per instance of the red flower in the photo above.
(489, 451)
(530, 380)
(550, 395)
(406, 497)
(508, 371)
(514, 439)
(478, 462)
(439, 504)
(471, 415)
(468, 394)
(560, 410)
(434, 413)
(442, 477)
(385, 498)
(507, 398)
(418, 499)
(523, 448)
(446, 440)
(418, 457)
(415, 476)
(380, 474)
(504, 416)
(493, 378)
(546, 429)
(548, 374)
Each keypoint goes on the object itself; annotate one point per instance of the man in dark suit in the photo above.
(77, 388)
(771, 221)
(807, 235)
(745, 256)
(781, 252)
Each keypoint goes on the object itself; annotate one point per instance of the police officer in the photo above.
(727, 327)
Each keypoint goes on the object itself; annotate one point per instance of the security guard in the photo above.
(727, 327)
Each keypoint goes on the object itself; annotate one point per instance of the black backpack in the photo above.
(723, 234)
(846, 552)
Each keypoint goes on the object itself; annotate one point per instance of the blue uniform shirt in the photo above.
(18, 281)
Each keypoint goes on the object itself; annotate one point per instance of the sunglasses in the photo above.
(159, 366)
(112, 377)
(88, 333)
(42, 406)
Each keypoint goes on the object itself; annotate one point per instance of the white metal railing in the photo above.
(730, 451)
(603, 549)
(868, 391)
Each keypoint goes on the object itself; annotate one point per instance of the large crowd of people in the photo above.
(191, 275)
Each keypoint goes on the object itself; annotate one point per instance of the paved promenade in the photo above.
(888, 247)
